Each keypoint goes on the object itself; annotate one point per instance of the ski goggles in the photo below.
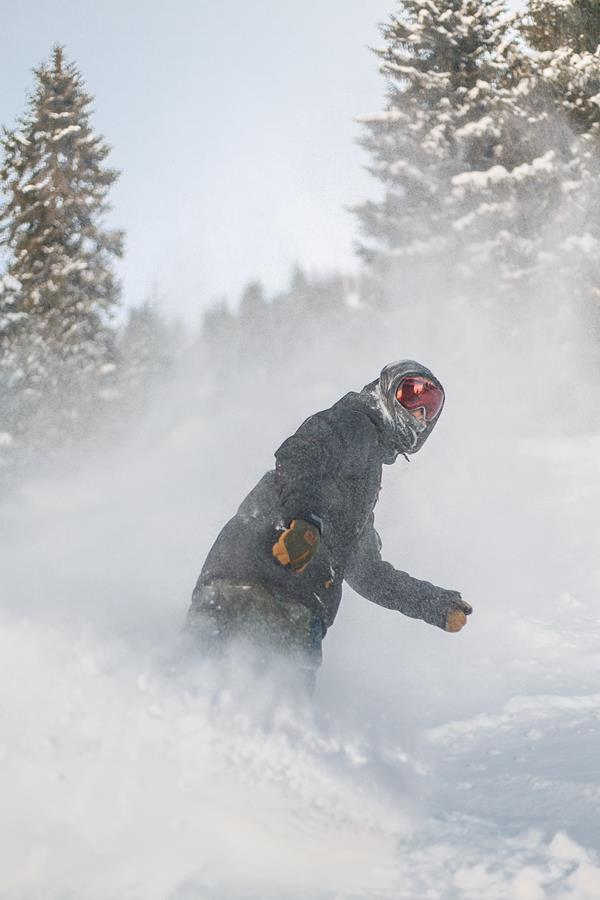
(414, 393)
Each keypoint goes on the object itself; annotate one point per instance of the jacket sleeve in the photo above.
(379, 582)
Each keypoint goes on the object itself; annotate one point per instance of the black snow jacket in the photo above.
(329, 472)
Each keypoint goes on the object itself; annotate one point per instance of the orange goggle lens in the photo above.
(419, 393)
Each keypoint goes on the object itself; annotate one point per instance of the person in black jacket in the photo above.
(274, 575)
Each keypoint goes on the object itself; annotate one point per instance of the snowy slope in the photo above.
(430, 766)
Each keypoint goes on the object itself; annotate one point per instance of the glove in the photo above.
(297, 545)
(456, 617)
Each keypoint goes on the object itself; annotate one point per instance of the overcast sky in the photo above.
(231, 122)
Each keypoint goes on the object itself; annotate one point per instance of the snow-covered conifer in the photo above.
(442, 60)
(511, 217)
(563, 67)
(147, 348)
(60, 290)
(218, 326)
(565, 35)
(253, 309)
(549, 24)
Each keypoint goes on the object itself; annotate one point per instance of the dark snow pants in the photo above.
(224, 614)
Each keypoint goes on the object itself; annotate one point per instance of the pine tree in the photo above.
(253, 311)
(549, 24)
(566, 36)
(443, 60)
(564, 68)
(504, 213)
(147, 349)
(218, 324)
(56, 345)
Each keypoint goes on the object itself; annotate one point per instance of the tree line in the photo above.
(487, 149)
(486, 158)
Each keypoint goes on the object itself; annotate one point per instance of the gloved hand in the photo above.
(297, 545)
(456, 617)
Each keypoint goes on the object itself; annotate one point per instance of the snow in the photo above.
(430, 765)
(522, 709)
(392, 115)
(477, 180)
(353, 300)
(76, 265)
(586, 243)
(484, 209)
(440, 78)
(569, 187)
(35, 186)
(407, 169)
(60, 134)
(10, 283)
(478, 128)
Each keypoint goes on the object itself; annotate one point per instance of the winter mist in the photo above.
(251, 217)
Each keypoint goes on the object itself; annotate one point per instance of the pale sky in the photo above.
(232, 123)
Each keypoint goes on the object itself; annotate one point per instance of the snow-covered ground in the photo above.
(430, 765)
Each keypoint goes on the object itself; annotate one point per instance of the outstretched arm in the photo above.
(379, 582)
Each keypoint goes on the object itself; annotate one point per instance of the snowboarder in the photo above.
(274, 575)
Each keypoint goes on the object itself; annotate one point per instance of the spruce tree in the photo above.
(549, 24)
(564, 68)
(253, 311)
(443, 60)
(504, 213)
(566, 37)
(147, 348)
(56, 343)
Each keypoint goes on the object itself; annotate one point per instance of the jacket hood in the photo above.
(400, 431)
